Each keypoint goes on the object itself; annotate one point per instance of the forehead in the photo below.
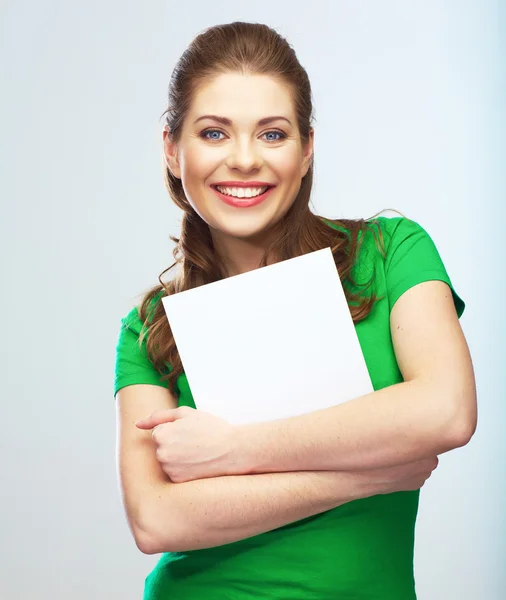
(242, 98)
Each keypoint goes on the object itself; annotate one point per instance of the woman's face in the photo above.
(223, 141)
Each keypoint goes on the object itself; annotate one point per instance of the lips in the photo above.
(243, 202)
(243, 184)
(238, 184)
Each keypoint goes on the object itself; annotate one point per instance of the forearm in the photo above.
(216, 511)
(397, 424)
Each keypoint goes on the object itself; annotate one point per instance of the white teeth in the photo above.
(240, 192)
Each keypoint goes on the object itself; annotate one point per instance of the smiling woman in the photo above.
(318, 506)
(259, 142)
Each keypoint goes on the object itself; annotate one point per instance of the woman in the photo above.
(322, 505)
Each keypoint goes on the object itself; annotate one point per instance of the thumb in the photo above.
(157, 418)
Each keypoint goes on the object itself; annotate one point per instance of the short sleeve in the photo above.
(412, 258)
(132, 362)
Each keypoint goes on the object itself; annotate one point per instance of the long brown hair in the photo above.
(248, 48)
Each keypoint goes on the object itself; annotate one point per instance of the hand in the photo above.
(400, 478)
(192, 444)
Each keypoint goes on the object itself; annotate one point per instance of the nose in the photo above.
(244, 155)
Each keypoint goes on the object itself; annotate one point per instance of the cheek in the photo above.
(288, 162)
(197, 166)
(200, 161)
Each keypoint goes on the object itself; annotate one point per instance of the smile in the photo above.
(242, 197)
(242, 192)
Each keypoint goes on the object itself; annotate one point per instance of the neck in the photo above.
(239, 255)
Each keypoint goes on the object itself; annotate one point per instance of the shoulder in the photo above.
(401, 238)
(390, 226)
(374, 226)
(389, 235)
(132, 319)
(398, 228)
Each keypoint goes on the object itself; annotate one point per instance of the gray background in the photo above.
(409, 103)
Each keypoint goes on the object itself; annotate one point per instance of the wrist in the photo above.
(247, 455)
(360, 485)
(343, 486)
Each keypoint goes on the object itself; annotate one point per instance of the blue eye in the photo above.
(204, 134)
(282, 135)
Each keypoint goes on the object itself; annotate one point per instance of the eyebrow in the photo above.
(225, 121)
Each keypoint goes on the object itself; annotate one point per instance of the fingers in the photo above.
(430, 464)
(428, 467)
(166, 415)
(157, 418)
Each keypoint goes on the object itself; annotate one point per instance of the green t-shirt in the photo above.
(362, 550)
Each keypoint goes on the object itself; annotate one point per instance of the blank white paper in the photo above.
(272, 343)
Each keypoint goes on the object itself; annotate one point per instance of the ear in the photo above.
(170, 151)
(308, 153)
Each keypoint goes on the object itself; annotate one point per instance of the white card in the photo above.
(272, 343)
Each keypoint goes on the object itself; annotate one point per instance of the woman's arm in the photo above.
(221, 510)
(431, 412)
(166, 516)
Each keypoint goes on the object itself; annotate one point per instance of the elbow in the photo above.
(144, 539)
(148, 543)
(158, 538)
(463, 435)
(463, 426)
(145, 542)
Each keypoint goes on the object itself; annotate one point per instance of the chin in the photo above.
(244, 228)
(243, 232)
